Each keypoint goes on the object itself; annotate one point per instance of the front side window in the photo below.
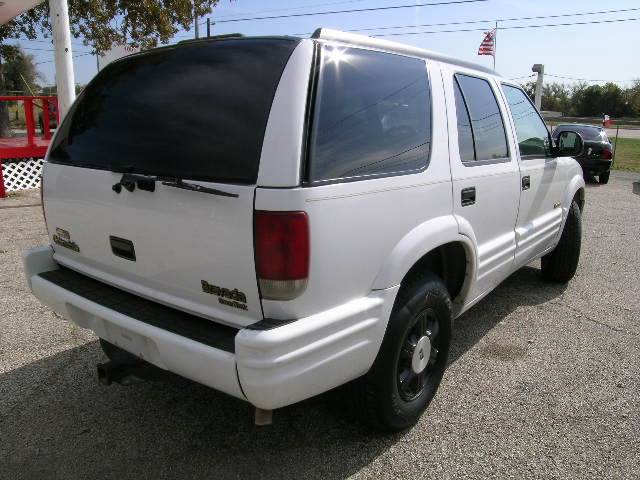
(532, 133)
(372, 115)
(483, 115)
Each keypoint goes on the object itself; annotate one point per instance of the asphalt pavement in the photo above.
(543, 382)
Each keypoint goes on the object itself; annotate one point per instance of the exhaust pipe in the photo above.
(263, 418)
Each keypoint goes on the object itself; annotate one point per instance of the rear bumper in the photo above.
(269, 368)
(594, 166)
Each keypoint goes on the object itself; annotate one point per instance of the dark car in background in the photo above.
(596, 158)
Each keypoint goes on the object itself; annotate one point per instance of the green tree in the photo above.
(633, 100)
(104, 23)
(18, 75)
(20, 72)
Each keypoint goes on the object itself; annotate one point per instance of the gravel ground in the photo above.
(543, 383)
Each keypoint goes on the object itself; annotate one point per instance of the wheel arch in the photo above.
(575, 190)
(438, 246)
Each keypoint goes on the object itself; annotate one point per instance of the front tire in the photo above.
(412, 358)
(561, 264)
(603, 178)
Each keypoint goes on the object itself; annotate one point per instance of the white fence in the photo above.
(21, 174)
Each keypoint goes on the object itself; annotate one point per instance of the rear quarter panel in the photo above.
(355, 226)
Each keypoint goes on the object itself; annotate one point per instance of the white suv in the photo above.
(275, 217)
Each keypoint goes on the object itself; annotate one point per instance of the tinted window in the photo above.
(372, 115)
(465, 134)
(489, 135)
(532, 133)
(195, 111)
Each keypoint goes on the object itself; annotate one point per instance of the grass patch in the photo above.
(627, 154)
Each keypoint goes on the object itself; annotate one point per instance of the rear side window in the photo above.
(465, 133)
(482, 113)
(532, 133)
(197, 111)
(372, 115)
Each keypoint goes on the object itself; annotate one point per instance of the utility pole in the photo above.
(65, 80)
(195, 20)
(539, 69)
(208, 27)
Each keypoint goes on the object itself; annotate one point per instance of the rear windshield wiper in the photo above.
(147, 182)
(179, 183)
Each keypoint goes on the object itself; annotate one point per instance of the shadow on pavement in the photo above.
(57, 421)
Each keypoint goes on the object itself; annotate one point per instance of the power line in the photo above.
(586, 79)
(492, 20)
(295, 8)
(513, 27)
(356, 10)
(572, 78)
(41, 49)
(75, 56)
(36, 40)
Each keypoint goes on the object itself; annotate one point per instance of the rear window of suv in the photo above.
(372, 116)
(587, 132)
(195, 111)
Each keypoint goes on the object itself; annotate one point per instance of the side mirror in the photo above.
(569, 144)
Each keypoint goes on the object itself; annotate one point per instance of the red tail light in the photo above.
(606, 154)
(282, 253)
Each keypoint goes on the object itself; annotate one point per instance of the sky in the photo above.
(605, 51)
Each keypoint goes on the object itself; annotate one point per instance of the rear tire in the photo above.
(412, 358)
(603, 178)
(561, 264)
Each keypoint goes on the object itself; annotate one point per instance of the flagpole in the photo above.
(495, 46)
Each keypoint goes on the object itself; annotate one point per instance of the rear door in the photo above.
(542, 182)
(121, 188)
(485, 175)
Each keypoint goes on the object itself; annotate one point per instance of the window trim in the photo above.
(515, 133)
(311, 106)
(488, 161)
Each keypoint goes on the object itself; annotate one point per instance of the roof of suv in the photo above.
(365, 41)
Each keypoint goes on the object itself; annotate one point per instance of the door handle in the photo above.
(526, 182)
(468, 196)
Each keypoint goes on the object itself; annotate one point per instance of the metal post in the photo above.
(65, 79)
(46, 132)
(539, 69)
(28, 118)
(615, 146)
(3, 192)
(208, 27)
(195, 20)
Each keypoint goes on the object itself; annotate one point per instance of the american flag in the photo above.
(488, 45)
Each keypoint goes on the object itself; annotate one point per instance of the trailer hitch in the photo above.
(127, 372)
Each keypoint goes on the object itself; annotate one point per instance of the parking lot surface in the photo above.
(543, 382)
